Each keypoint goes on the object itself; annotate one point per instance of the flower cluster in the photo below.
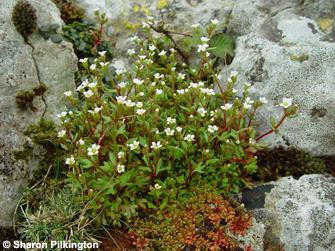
(139, 137)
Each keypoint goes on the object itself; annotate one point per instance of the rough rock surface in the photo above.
(284, 48)
(297, 214)
(285, 54)
(23, 66)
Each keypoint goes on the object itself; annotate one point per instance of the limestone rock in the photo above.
(297, 214)
(284, 54)
(23, 66)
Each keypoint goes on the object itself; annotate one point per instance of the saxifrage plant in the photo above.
(141, 138)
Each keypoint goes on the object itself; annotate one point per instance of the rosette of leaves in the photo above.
(87, 39)
(50, 31)
(24, 18)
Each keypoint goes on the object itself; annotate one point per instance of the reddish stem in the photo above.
(272, 130)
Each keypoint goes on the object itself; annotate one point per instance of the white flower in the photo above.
(162, 53)
(156, 145)
(226, 107)
(247, 84)
(157, 110)
(141, 111)
(92, 85)
(189, 137)
(170, 120)
(122, 85)
(179, 129)
(182, 91)
(102, 53)
(83, 60)
(159, 91)
(263, 100)
(139, 104)
(93, 150)
(134, 145)
(141, 94)
(70, 112)
(70, 161)
(97, 109)
(202, 111)
(120, 168)
(252, 141)
(249, 101)
(62, 115)
(246, 105)
(202, 47)
(212, 128)
(158, 76)
(88, 93)
(81, 142)
(173, 51)
(93, 67)
(195, 25)
(119, 71)
(152, 47)
(286, 103)
(120, 155)
(181, 76)
(138, 81)
(153, 84)
(169, 132)
(130, 52)
(83, 85)
(234, 90)
(142, 56)
(214, 21)
(193, 85)
(145, 25)
(121, 99)
(207, 91)
(134, 38)
(61, 134)
(129, 103)
(68, 93)
(233, 74)
(204, 39)
(104, 64)
(157, 186)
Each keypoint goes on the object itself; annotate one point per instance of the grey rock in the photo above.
(24, 66)
(297, 214)
(284, 54)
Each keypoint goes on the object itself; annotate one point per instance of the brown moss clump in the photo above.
(205, 221)
(24, 18)
(69, 12)
(280, 162)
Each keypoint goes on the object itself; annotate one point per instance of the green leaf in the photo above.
(222, 45)
(164, 203)
(85, 163)
(151, 205)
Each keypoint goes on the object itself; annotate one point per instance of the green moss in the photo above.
(279, 162)
(24, 99)
(24, 154)
(24, 18)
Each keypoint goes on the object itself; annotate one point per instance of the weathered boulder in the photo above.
(23, 67)
(284, 54)
(297, 214)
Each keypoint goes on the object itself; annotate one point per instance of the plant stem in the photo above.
(275, 127)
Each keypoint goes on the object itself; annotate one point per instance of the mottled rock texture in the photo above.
(24, 66)
(297, 214)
